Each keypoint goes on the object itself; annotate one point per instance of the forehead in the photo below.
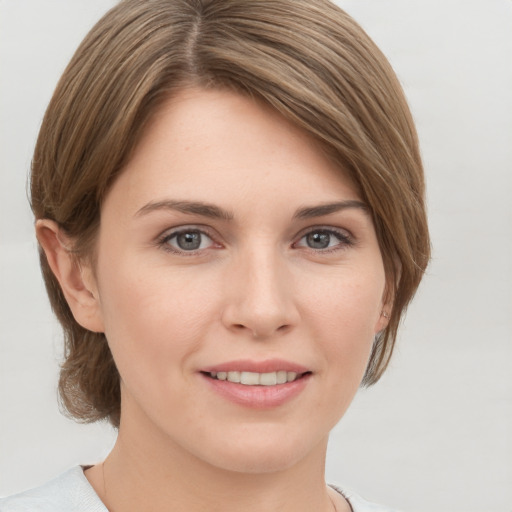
(210, 144)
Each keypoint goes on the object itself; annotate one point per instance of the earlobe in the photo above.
(387, 304)
(76, 281)
(385, 311)
(383, 320)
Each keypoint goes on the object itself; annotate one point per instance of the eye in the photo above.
(322, 239)
(186, 240)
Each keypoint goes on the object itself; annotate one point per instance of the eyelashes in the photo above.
(187, 241)
(325, 240)
(195, 240)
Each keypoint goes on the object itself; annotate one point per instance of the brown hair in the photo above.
(306, 58)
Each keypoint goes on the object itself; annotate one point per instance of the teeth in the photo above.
(281, 377)
(268, 379)
(249, 378)
(234, 376)
(256, 379)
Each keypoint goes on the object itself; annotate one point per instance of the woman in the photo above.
(229, 201)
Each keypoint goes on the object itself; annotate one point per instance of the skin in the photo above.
(254, 289)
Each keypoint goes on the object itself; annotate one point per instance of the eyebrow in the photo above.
(309, 212)
(190, 207)
(214, 212)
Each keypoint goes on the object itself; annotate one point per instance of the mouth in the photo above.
(246, 378)
(258, 384)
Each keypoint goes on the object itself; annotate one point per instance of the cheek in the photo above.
(345, 317)
(348, 301)
(154, 315)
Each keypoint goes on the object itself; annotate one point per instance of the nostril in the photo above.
(261, 333)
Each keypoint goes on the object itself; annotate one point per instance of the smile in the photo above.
(257, 379)
(257, 384)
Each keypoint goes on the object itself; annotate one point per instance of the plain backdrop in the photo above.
(436, 432)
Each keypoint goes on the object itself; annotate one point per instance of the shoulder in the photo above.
(69, 492)
(359, 504)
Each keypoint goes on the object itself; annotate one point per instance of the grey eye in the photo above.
(325, 238)
(189, 241)
(318, 239)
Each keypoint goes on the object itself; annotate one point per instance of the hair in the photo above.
(307, 59)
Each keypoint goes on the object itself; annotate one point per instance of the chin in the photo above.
(258, 464)
(266, 454)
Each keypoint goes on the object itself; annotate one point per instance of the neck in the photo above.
(145, 473)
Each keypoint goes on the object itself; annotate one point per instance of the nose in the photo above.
(261, 299)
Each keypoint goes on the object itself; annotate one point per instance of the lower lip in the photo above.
(258, 397)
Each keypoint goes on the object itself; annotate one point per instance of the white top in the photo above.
(72, 492)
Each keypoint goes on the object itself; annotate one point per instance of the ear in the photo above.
(383, 320)
(388, 297)
(76, 280)
(385, 311)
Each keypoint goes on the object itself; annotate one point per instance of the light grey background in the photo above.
(436, 432)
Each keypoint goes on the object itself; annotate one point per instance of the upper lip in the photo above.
(248, 365)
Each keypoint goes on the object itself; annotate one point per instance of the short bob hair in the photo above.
(307, 59)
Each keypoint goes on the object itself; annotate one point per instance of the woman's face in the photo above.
(230, 249)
